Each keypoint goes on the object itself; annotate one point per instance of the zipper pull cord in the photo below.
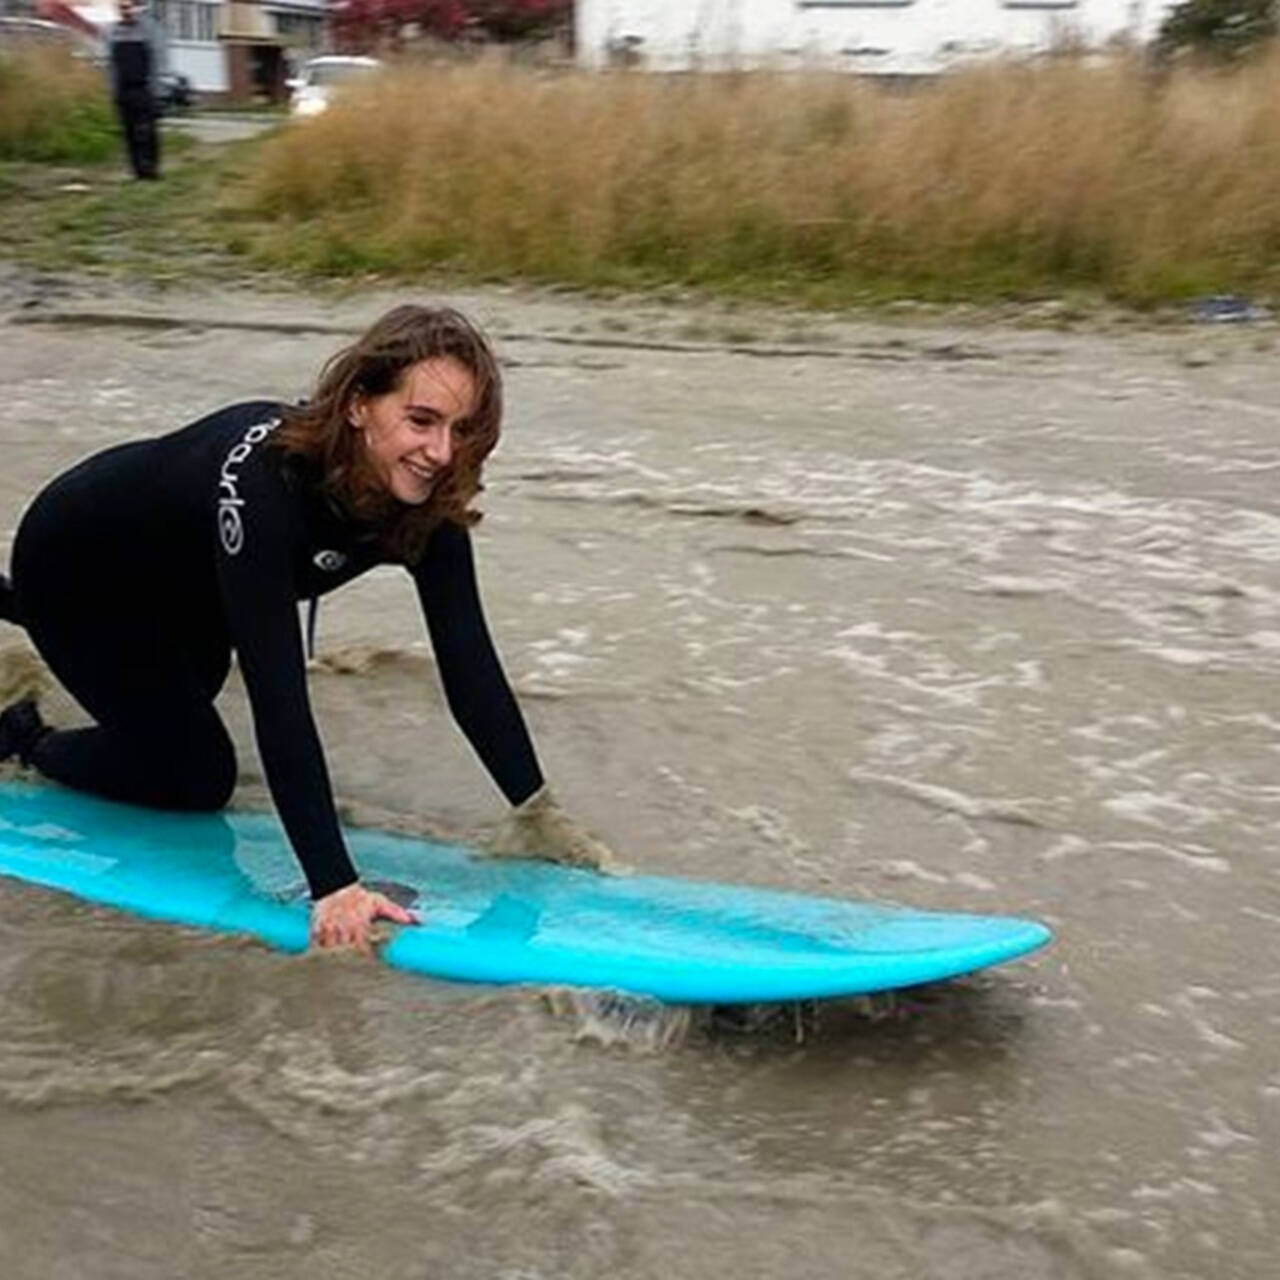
(313, 608)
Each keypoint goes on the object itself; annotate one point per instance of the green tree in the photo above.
(1224, 30)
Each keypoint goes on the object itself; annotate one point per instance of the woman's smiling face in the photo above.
(411, 431)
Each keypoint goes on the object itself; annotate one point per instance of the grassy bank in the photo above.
(54, 110)
(1004, 180)
(95, 218)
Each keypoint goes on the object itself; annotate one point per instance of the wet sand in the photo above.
(965, 616)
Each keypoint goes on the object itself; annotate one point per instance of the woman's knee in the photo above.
(203, 795)
(196, 773)
(207, 780)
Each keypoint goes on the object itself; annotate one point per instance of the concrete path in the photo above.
(221, 126)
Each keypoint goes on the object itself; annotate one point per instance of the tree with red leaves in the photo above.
(520, 19)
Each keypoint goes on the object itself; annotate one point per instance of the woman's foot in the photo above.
(21, 727)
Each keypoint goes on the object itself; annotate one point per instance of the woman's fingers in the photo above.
(345, 918)
(343, 933)
(387, 909)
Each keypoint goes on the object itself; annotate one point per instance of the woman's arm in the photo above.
(255, 578)
(474, 684)
(485, 709)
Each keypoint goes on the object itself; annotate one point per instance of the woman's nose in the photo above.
(439, 445)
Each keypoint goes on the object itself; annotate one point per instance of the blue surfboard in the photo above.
(497, 920)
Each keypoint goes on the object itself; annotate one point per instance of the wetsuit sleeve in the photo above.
(474, 684)
(256, 584)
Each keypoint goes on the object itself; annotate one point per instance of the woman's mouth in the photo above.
(422, 472)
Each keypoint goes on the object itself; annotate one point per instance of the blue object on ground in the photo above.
(1228, 308)
(498, 920)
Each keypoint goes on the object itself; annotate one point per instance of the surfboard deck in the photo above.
(496, 920)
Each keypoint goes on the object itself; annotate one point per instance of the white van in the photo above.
(312, 89)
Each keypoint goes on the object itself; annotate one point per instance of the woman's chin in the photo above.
(411, 494)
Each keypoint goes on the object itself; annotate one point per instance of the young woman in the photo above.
(138, 572)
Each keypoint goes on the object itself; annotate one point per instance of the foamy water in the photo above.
(995, 633)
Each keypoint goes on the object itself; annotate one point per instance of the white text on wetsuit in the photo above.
(230, 526)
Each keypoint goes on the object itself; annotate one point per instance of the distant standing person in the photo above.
(136, 47)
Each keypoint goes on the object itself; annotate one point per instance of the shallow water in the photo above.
(983, 620)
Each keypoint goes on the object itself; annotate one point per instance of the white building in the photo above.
(191, 29)
(900, 37)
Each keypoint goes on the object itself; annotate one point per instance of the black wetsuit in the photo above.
(137, 572)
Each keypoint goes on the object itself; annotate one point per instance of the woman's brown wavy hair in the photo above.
(320, 430)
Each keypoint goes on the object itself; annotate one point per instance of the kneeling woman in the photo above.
(139, 571)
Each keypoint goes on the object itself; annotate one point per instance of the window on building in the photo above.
(302, 30)
(193, 20)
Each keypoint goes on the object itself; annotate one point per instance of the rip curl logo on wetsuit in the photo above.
(230, 525)
(329, 561)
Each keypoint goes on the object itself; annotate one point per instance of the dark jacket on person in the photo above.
(136, 58)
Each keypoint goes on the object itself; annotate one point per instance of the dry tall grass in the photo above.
(1002, 179)
(54, 108)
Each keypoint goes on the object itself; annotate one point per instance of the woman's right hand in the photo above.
(345, 917)
(539, 828)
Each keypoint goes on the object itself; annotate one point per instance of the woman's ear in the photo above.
(357, 410)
